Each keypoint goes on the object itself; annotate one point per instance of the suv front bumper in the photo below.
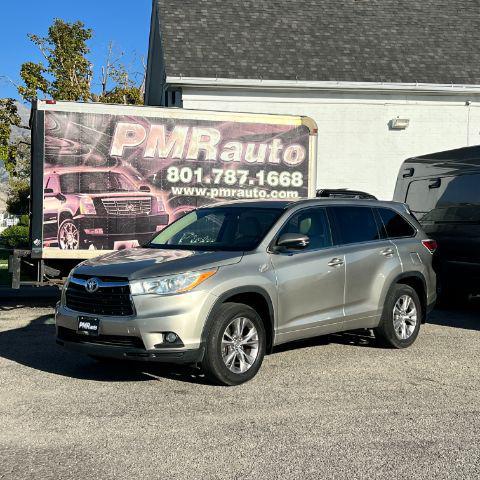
(125, 353)
(142, 336)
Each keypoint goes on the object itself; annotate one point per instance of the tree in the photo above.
(8, 117)
(125, 90)
(18, 193)
(67, 72)
(15, 154)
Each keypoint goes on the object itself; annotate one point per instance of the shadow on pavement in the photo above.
(466, 316)
(28, 297)
(360, 338)
(34, 346)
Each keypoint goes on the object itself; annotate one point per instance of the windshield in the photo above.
(95, 182)
(221, 228)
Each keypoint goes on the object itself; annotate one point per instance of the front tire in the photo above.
(401, 317)
(235, 345)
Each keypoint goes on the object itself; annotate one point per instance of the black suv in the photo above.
(443, 192)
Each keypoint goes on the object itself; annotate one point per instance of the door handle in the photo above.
(335, 262)
(388, 252)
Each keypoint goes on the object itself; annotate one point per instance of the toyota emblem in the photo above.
(92, 285)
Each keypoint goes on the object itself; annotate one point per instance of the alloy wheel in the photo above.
(240, 345)
(404, 317)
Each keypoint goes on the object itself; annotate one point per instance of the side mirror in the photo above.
(293, 241)
(144, 188)
(48, 191)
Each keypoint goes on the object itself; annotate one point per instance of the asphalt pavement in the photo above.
(332, 407)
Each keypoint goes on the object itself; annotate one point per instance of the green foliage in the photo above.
(24, 220)
(21, 169)
(125, 90)
(67, 73)
(32, 75)
(18, 193)
(15, 237)
(128, 96)
(16, 158)
(8, 117)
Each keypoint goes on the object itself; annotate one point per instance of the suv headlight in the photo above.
(183, 282)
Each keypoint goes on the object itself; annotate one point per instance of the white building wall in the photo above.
(356, 148)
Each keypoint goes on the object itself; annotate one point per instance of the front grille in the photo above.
(127, 206)
(109, 299)
(113, 340)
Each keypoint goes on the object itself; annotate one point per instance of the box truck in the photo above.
(108, 177)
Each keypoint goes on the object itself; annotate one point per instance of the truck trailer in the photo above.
(108, 177)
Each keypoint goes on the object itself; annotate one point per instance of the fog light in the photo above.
(171, 337)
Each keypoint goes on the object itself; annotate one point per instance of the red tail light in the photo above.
(430, 245)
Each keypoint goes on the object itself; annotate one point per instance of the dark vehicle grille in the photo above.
(107, 300)
(113, 340)
(125, 206)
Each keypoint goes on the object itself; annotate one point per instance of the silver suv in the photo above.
(224, 284)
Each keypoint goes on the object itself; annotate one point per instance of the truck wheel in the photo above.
(68, 235)
(401, 317)
(235, 345)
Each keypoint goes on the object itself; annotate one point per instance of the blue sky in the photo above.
(124, 22)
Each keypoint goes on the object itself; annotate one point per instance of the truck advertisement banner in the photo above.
(112, 181)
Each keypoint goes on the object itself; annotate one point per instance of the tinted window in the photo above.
(355, 224)
(446, 199)
(218, 229)
(420, 198)
(395, 225)
(312, 222)
(458, 200)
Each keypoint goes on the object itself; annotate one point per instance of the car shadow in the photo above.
(465, 315)
(359, 338)
(34, 346)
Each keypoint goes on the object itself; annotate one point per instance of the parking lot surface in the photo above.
(331, 407)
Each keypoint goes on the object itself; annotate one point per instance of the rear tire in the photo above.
(401, 318)
(235, 345)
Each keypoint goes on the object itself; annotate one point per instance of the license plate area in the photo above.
(88, 326)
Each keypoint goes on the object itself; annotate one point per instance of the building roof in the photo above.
(401, 41)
